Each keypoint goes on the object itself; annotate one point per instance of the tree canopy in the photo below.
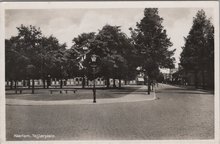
(30, 55)
(198, 52)
(152, 44)
(112, 48)
(119, 56)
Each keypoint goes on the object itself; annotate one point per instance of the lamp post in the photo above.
(145, 76)
(85, 49)
(61, 77)
(94, 65)
(48, 81)
(115, 68)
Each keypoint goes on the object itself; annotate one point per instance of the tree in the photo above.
(210, 56)
(30, 55)
(58, 64)
(50, 62)
(72, 63)
(81, 46)
(198, 51)
(15, 62)
(152, 43)
(113, 47)
(28, 44)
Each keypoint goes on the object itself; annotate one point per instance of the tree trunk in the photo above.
(11, 84)
(48, 83)
(29, 83)
(210, 74)
(119, 83)
(15, 84)
(126, 82)
(7, 84)
(66, 82)
(24, 83)
(149, 85)
(196, 79)
(87, 82)
(114, 85)
(203, 79)
(107, 82)
(152, 87)
(44, 83)
(83, 82)
(32, 86)
(61, 83)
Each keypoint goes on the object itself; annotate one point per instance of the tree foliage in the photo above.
(112, 48)
(30, 55)
(118, 55)
(198, 51)
(152, 44)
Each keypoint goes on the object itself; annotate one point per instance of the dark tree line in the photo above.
(197, 56)
(30, 55)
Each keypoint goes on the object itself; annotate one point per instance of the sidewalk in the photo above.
(132, 97)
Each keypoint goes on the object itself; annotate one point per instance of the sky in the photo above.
(65, 24)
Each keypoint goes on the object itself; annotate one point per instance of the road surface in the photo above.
(177, 114)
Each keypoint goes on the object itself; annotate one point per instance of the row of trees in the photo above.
(197, 56)
(114, 51)
(30, 55)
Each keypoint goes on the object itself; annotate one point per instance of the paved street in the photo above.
(177, 114)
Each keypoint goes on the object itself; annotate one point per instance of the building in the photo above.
(168, 74)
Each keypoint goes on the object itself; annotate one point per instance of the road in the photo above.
(177, 114)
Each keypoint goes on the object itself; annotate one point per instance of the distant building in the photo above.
(77, 81)
(168, 74)
(140, 79)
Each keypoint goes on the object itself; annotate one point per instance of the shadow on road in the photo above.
(185, 92)
(180, 90)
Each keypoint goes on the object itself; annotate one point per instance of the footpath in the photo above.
(135, 96)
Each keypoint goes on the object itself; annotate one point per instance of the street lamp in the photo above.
(94, 65)
(61, 76)
(145, 76)
(48, 81)
(115, 68)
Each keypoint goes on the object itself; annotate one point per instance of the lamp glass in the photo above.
(93, 57)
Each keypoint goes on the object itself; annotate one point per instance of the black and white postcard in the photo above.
(110, 72)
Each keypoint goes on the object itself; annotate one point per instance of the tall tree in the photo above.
(15, 62)
(50, 63)
(113, 47)
(198, 51)
(152, 44)
(33, 55)
(82, 46)
(28, 44)
(72, 63)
